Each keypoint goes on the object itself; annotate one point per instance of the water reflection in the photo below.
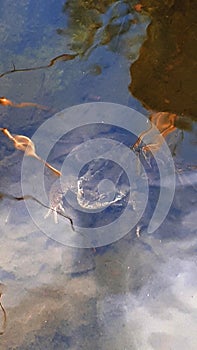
(163, 75)
(166, 63)
(139, 293)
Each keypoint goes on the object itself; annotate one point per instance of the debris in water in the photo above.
(27, 197)
(5, 102)
(63, 57)
(23, 143)
(2, 330)
(165, 124)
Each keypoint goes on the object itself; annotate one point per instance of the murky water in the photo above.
(139, 292)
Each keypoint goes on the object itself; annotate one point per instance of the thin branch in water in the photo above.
(165, 124)
(4, 324)
(5, 102)
(4, 319)
(23, 143)
(63, 57)
(30, 197)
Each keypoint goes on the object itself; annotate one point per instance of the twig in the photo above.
(6, 102)
(4, 318)
(63, 57)
(27, 197)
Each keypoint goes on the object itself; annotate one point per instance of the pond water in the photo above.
(64, 287)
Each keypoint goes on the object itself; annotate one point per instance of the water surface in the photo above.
(139, 292)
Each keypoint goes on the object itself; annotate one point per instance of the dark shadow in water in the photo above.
(164, 75)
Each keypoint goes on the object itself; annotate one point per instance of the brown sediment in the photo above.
(63, 57)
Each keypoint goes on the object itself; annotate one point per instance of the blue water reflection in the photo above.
(137, 293)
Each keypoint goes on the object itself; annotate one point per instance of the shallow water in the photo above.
(139, 292)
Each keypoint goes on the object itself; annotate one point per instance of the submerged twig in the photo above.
(164, 123)
(27, 197)
(23, 143)
(63, 57)
(4, 317)
(6, 102)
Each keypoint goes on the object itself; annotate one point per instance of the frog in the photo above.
(57, 190)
